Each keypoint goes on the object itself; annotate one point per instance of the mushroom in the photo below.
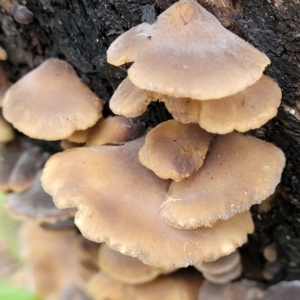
(51, 102)
(21, 13)
(85, 178)
(125, 268)
(226, 184)
(198, 49)
(4, 85)
(174, 150)
(283, 290)
(7, 133)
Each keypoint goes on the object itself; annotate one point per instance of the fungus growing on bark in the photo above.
(51, 102)
(21, 13)
(226, 184)
(125, 268)
(173, 150)
(223, 63)
(86, 180)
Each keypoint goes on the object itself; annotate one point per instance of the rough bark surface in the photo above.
(80, 31)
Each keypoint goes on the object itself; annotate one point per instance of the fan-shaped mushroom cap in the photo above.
(114, 130)
(199, 59)
(125, 268)
(172, 287)
(243, 111)
(239, 171)
(51, 102)
(174, 150)
(87, 179)
(35, 204)
(3, 54)
(79, 136)
(129, 100)
(24, 171)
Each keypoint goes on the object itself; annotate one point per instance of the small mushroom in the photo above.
(21, 13)
(85, 178)
(51, 102)
(226, 184)
(283, 290)
(7, 133)
(173, 150)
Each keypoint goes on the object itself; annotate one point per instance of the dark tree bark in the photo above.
(80, 31)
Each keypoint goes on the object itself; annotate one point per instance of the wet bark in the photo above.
(80, 31)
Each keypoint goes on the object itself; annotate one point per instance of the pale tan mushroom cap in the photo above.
(243, 111)
(173, 287)
(115, 131)
(174, 150)
(189, 55)
(7, 133)
(239, 171)
(129, 100)
(118, 202)
(51, 102)
(125, 268)
(211, 291)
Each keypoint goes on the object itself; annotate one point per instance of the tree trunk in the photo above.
(80, 32)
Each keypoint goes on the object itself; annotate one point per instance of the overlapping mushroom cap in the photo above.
(239, 171)
(194, 56)
(126, 215)
(173, 150)
(51, 102)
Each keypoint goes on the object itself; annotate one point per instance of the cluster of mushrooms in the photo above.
(178, 196)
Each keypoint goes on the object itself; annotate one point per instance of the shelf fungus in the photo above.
(85, 178)
(238, 171)
(51, 102)
(203, 73)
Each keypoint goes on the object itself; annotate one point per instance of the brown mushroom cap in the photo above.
(172, 287)
(51, 102)
(86, 178)
(174, 150)
(35, 204)
(226, 184)
(114, 130)
(197, 50)
(125, 268)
